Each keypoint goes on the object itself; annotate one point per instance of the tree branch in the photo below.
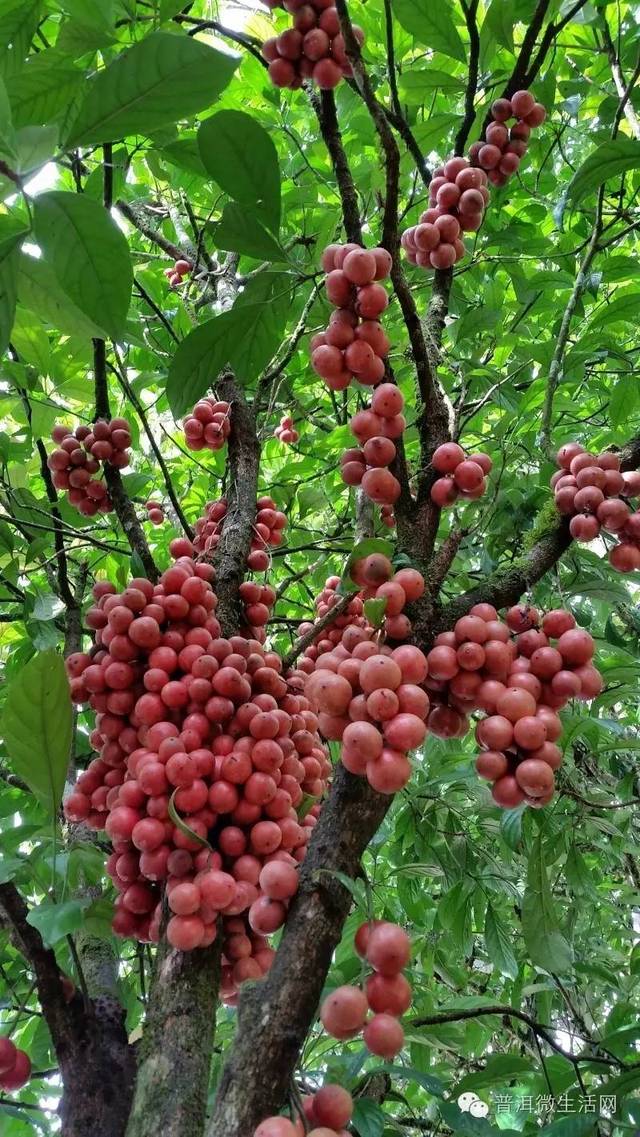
(470, 10)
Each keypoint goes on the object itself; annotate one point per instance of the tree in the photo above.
(165, 211)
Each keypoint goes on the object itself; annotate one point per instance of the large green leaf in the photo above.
(240, 155)
(160, 80)
(37, 727)
(609, 161)
(498, 942)
(240, 231)
(55, 921)
(40, 292)
(11, 235)
(18, 22)
(245, 337)
(43, 89)
(431, 24)
(88, 254)
(546, 944)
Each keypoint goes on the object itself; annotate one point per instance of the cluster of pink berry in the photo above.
(462, 476)
(511, 671)
(354, 344)
(369, 694)
(176, 274)
(15, 1066)
(286, 431)
(268, 530)
(504, 148)
(344, 1013)
(312, 49)
(208, 426)
(77, 459)
(155, 512)
(325, 1115)
(458, 192)
(376, 428)
(197, 735)
(592, 490)
(458, 196)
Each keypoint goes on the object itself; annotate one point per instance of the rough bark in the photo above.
(96, 1063)
(173, 1070)
(275, 1014)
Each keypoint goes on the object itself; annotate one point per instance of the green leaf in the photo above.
(608, 161)
(245, 337)
(622, 308)
(55, 921)
(511, 827)
(409, 1074)
(624, 399)
(43, 90)
(18, 22)
(368, 1118)
(240, 155)
(240, 231)
(11, 235)
(499, 21)
(158, 81)
(35, 145)
(498, 941)
(37, 727)
(546, 944)
(182, 825)
(10, 867)
(40, 292)
(88, 254)
(431, 24)
(374, 610)
(578, 1125)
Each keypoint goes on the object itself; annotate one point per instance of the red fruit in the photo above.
(379, 452)
(361, 938)
(625, 557)
(405, 732)
(443, 257)
(185, 932)
(501, 110)
(327, 74)
(388, 994)
(8, 1051)
(276, 1127)
(522, 104)
(447, 457)
(556, 622)
(444, 492)
(372, 301)
(332, 1106)
(491, 764)
(383, 1036)
(388, 949)
(576, 646)
(359, 266)
(507, 793)
(516, 704)
(535, 777)
(387, 400)
(381, 486)
(495, 732)
(18, 1075)
(344, 1012)
(522, 617)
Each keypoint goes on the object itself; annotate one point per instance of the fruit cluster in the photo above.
(77, 459)
(511, 670)
(458, 191)
(176, 274)
(286, 431)
(15, 1066)
(462, 476)
(503, 148)
(268, 530)
(387, 949)
(326, 1113)
(155, 512)
(592, 490)
(369, 694)
(375, 428)
(206, 752)
(208, 426)
(354, 344)
(313, 48)
(458, 197)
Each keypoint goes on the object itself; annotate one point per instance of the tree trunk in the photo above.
(274, 1015)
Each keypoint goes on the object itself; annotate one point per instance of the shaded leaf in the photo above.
(608, 161)
(37, 728)
(546, 944)
(157, 81)
(239, 153)
(431, 24)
